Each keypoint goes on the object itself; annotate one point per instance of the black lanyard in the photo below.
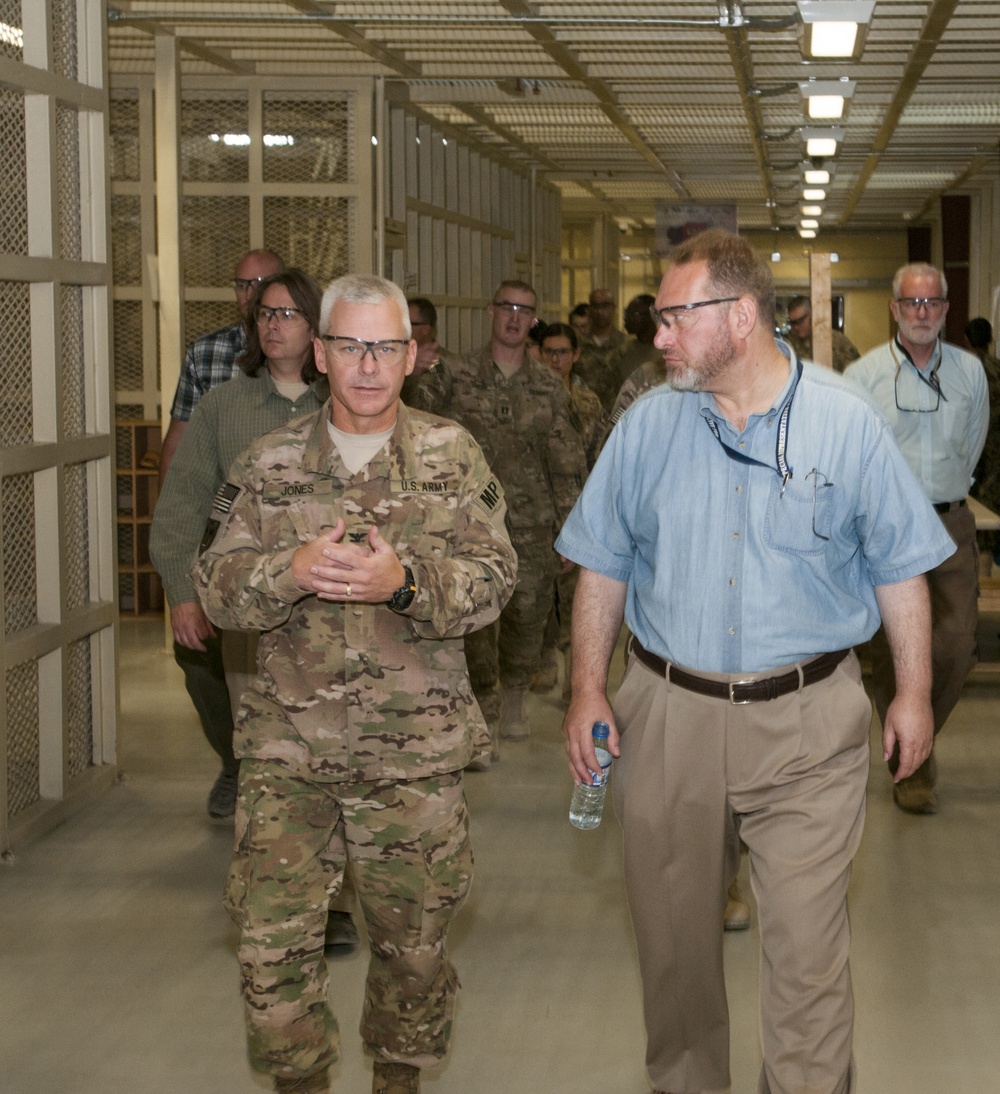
(931, 380)
(781, 467)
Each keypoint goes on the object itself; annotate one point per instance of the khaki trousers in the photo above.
(788, 776)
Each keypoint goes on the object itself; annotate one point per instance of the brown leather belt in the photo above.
(739, 692)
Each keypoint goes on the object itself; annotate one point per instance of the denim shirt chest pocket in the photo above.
(800, 516)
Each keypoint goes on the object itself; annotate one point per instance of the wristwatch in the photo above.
(402, 598)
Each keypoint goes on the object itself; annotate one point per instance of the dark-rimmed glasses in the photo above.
(385, 351)
(815, 476)
(514, 309)
(681, 315)
(912, 304)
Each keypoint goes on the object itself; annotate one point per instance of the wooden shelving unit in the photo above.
(137, 475)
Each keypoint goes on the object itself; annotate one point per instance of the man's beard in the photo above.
(719, 355)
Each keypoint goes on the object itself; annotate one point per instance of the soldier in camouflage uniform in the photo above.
(518, 411)
(366, 541)
(800, 336)
(560, 352)
(600, 362)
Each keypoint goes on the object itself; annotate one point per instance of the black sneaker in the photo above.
(222, 797)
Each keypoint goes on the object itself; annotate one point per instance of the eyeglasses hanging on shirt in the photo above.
(929, 379)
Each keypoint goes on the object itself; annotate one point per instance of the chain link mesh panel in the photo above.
(68, 181)
(130, 412)
(16, 415)
(10, 14)
(76, 537)
(64, 47)
(215, 231)
(123, 135)
(13, 174)
(307, 139)
(126, 239)
(127, 327)
(203, 316)
(79, 706)
(23, 768)
(20, 578)
(72, 379)
(215, 145)
(312, 233)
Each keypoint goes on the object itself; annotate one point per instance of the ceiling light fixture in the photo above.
(808, 223)
(811, 210)
(814, 195)
(807, 233)
(822, 142)
(816, 177)
(827, 98)
(834, 28)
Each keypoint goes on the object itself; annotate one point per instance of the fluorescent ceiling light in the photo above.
(816, 178)
(808, 222)
(821, 146)
(814, 195)
(807, 233)
(826, 98)
(811, 210)
(834, 257)
(776, 256)
(834, 28)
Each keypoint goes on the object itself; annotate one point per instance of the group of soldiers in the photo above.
(357, 533)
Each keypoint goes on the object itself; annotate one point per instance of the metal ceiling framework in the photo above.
(625, 105)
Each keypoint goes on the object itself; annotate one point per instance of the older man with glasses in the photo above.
(366, 540)
(935, 398)
(751, 520)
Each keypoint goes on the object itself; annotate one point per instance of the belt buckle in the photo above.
(732, 696)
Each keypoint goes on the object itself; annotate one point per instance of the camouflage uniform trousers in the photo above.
(509, 649)
(411, 860)
(559, 628)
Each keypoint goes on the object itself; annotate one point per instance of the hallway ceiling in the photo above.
(623, 105)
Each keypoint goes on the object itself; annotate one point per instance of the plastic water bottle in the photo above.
(587, 805)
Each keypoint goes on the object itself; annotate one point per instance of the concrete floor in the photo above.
(118, 971)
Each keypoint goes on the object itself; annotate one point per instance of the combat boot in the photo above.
(395, 1078)
(311, 1084)
(513, 723)
(548, 672)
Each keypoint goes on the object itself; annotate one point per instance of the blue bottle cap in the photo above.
(601, 729)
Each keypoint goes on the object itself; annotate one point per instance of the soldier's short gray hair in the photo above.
(363, 289)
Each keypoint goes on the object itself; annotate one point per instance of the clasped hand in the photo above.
(369, 572)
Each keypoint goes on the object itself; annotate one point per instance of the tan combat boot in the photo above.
(513, 723)
(395, 1078)
(548, 672)
(311, 1084)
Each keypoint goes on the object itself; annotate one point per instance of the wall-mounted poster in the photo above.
(675, 223)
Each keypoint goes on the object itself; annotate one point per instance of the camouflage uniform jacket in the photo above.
(646, 376)
(588, 418)
(844, 350)
(524, 427)
(599, 366)
(354, 692)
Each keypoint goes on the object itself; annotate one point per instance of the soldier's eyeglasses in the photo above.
(243, 285)
(388, 351)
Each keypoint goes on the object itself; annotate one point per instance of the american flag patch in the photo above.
(225, 496)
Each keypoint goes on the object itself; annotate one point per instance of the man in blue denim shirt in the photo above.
(751, 521)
